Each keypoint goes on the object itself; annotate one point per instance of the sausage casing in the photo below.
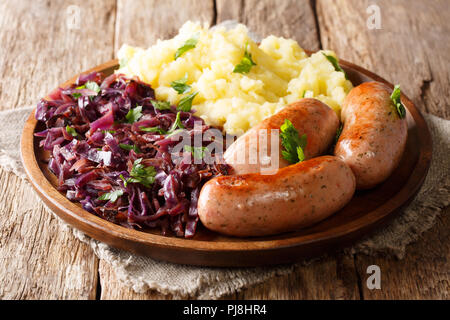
(373, 137)
(296, 196)
(309, 116)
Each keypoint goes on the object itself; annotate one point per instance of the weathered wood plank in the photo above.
(47, 42)
(113, 289)
(333, 277)
(410, 48)
(424, 273)
(288, 18)
(142, 22)
(39, 257)
(42, 45)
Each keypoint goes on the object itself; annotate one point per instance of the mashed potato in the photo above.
(283, 74)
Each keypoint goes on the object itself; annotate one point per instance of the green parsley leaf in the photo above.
(123, 62)
(335, 64)
(173, 133)
(304, 92)
(153, 129)
(129, 147)
(177, 123)
(246, 63)
(197, 152)
(71, 131)
(188, 45)
(160, 105)
(111, 196)
(76, 95)
(93, 86)
(396, 99)
(293, 143)
(125, 181)
(300, 154)
(141, 174)
(181, 85)
(108, 131)
(134, 114)
(185, 103)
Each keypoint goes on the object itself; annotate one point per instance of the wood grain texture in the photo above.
(42, 43)
(424, 273)
(142, 22)
(287, 18)
(113, 289)
(332, 277)
(411, 48)
(40, 259)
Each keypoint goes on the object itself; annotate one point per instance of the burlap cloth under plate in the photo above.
(142, 273)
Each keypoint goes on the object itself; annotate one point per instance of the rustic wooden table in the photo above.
(43, 43)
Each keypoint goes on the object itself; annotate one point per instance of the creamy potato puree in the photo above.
(283, 74)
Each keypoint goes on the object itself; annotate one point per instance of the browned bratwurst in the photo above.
(309, 116)
(257, 205)
(373, 137)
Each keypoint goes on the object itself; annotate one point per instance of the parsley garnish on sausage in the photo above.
(396, 99)
(293, 143)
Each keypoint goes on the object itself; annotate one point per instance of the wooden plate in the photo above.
(366, 211)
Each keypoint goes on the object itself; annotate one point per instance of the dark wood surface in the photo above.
(410, 48)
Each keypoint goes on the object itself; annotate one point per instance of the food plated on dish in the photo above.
(249, 139)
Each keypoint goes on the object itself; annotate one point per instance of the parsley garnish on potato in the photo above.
(246, 63)
(185, 104)
(396, 99)
(181, 85)
(292, 142)
(335, 64)
(188, 45)
(160, 105)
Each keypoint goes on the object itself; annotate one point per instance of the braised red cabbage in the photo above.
(111, 150)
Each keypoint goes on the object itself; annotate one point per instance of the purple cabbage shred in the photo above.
(86, 130)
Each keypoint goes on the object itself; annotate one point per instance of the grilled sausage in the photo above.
(308, 116)
(296, 196)
(373, 137)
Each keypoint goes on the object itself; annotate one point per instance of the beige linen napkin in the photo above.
(143, 273)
